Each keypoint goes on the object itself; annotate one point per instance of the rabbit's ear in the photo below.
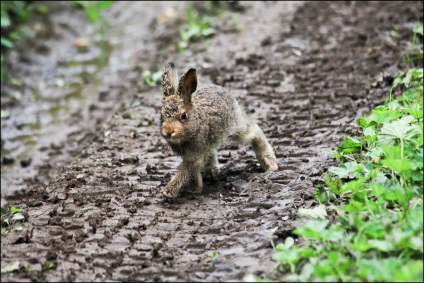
(169, 79)
(187, 84)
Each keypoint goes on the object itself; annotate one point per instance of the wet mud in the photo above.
(309, 71)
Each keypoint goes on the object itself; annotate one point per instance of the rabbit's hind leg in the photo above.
(254, 135)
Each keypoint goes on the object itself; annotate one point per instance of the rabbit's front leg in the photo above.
(187, 175)
(211, 165)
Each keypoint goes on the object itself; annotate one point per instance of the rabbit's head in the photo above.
(176, 125)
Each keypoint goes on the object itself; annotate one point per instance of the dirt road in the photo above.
(305, 79)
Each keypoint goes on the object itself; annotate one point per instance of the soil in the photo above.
(305, 71)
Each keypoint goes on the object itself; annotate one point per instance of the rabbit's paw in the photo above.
(269, 163)
(169, 192)
(211, 173)
(194, 189)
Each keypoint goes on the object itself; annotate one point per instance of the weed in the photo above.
(197, 26)
(93, 11)
(418, 29)
(13, 15)
(12, 218)
(11, 267)
(151, 79)
(48, 265)
(379, 197)
(214, 256)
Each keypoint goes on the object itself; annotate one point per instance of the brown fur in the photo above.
(212, 117)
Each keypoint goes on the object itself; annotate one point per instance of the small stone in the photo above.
(7, 160)
(26, 162)
(82, 44)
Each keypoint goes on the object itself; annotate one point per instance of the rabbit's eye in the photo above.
(183, 116)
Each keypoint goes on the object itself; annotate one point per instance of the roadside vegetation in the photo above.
(368, 225)
(16, 16)
(196, 24)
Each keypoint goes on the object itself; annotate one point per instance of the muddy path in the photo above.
(305, 81)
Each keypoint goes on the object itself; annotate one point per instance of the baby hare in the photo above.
(196, 122)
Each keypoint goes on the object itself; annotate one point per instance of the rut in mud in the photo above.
(305, 85)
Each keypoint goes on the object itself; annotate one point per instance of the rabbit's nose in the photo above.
(167, 133)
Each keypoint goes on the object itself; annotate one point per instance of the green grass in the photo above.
(14, 15)
(375, 198)
(93, 11)
(11, 219)
(196, 27)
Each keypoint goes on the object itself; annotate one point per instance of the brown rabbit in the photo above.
(196, 121)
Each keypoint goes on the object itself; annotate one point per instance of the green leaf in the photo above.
(415, 110)
(397, 164)
(370, 134)
(18, 216)
(333, 257)
(48, 265)
(214, 255)
(339, 157)
(417, 73)
(289, 256)
(5, 20)
(410, 94)
(182, 45)
(361, 245)
(14, 209)
(11, 267)
(136, 103)
(104, 5)
(80, 176)
(410, 271)
(380, 270)
(375, 230)
(318, 212)
(6, 42)
(92, 14)
(369, 131)
(353, 186)
(391, 133)
(349, 169)
(289, 242)
(4, 114)
(350, 145)
(381, 115)
(354, 206)
(375, 153)
(396, 194)
(312, 229)
(418, 29)
(391, 152)
(382, 245)
(43, 9)
(157, 76)
(362, 122)
(408, 77)
(377, 189)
